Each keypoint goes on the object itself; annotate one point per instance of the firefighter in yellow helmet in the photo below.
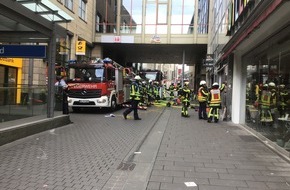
(185, 93)
(214, 103)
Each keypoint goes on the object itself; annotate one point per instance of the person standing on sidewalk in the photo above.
(135, 98)
(202, 97)
(214, 103)
(61, 93)
(185, 98)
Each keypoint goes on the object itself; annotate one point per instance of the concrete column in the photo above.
(97, 51)
(118, 22)
(239, 90)
(51, 73)
(195, 21)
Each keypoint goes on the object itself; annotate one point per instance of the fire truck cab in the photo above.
(99, 84)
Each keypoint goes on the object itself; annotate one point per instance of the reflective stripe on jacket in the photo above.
(135, 92)
(215, 96)
(202, 94)
(266, 98)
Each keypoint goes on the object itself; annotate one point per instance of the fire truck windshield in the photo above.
(151, 76)
(86, 74)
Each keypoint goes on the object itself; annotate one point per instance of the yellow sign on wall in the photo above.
(12, 62)
(81, 48)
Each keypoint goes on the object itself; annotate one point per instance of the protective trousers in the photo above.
(213, 113)
(202, 110)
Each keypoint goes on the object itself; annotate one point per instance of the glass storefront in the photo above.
(8, 79)
(268, 87)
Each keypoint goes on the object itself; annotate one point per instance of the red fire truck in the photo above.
(99, 84)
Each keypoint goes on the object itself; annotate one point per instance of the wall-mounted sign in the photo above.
(23, 51)
(81, 48)
(117, 39)
(208, 61)
(155, 39)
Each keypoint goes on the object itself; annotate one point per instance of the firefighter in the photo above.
(214, 100)
(171, 90)
(144, 94)
(135, 98)
(202, 99)
(156, 89)
(185, 94)
(264, 104)
(282, 100)
(150, 92)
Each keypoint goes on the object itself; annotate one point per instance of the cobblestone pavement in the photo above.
(78, 156)
(197, 155)
(163, 151)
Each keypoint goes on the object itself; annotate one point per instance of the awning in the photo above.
(24, 21)
(46, 9)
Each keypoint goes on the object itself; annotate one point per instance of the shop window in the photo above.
(267, 92)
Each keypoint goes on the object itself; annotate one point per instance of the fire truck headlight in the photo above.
(102, 101)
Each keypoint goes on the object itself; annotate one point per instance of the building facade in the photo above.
(255, 61)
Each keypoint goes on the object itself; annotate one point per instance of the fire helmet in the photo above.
(137, 77)
(107, 60)
(202, 82)
(271, 84)
(215, 84)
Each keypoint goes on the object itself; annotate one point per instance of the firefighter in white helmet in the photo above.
(214, 103)
(135, 97)
(202, 97)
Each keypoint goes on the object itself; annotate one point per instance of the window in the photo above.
(131, 16)
(267, 88)
(156, 17)
(69, 4)
(106, 10)
(82, 9)
(98, 23)
(182, 16)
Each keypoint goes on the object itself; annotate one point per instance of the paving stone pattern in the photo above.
(193, 155)
(79, 156)
(215, 156)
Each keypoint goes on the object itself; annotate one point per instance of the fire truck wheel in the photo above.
(113, 104)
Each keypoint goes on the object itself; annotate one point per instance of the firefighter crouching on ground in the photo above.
(214, 100)
(185, 98)
(202, 99)
(135, 98)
